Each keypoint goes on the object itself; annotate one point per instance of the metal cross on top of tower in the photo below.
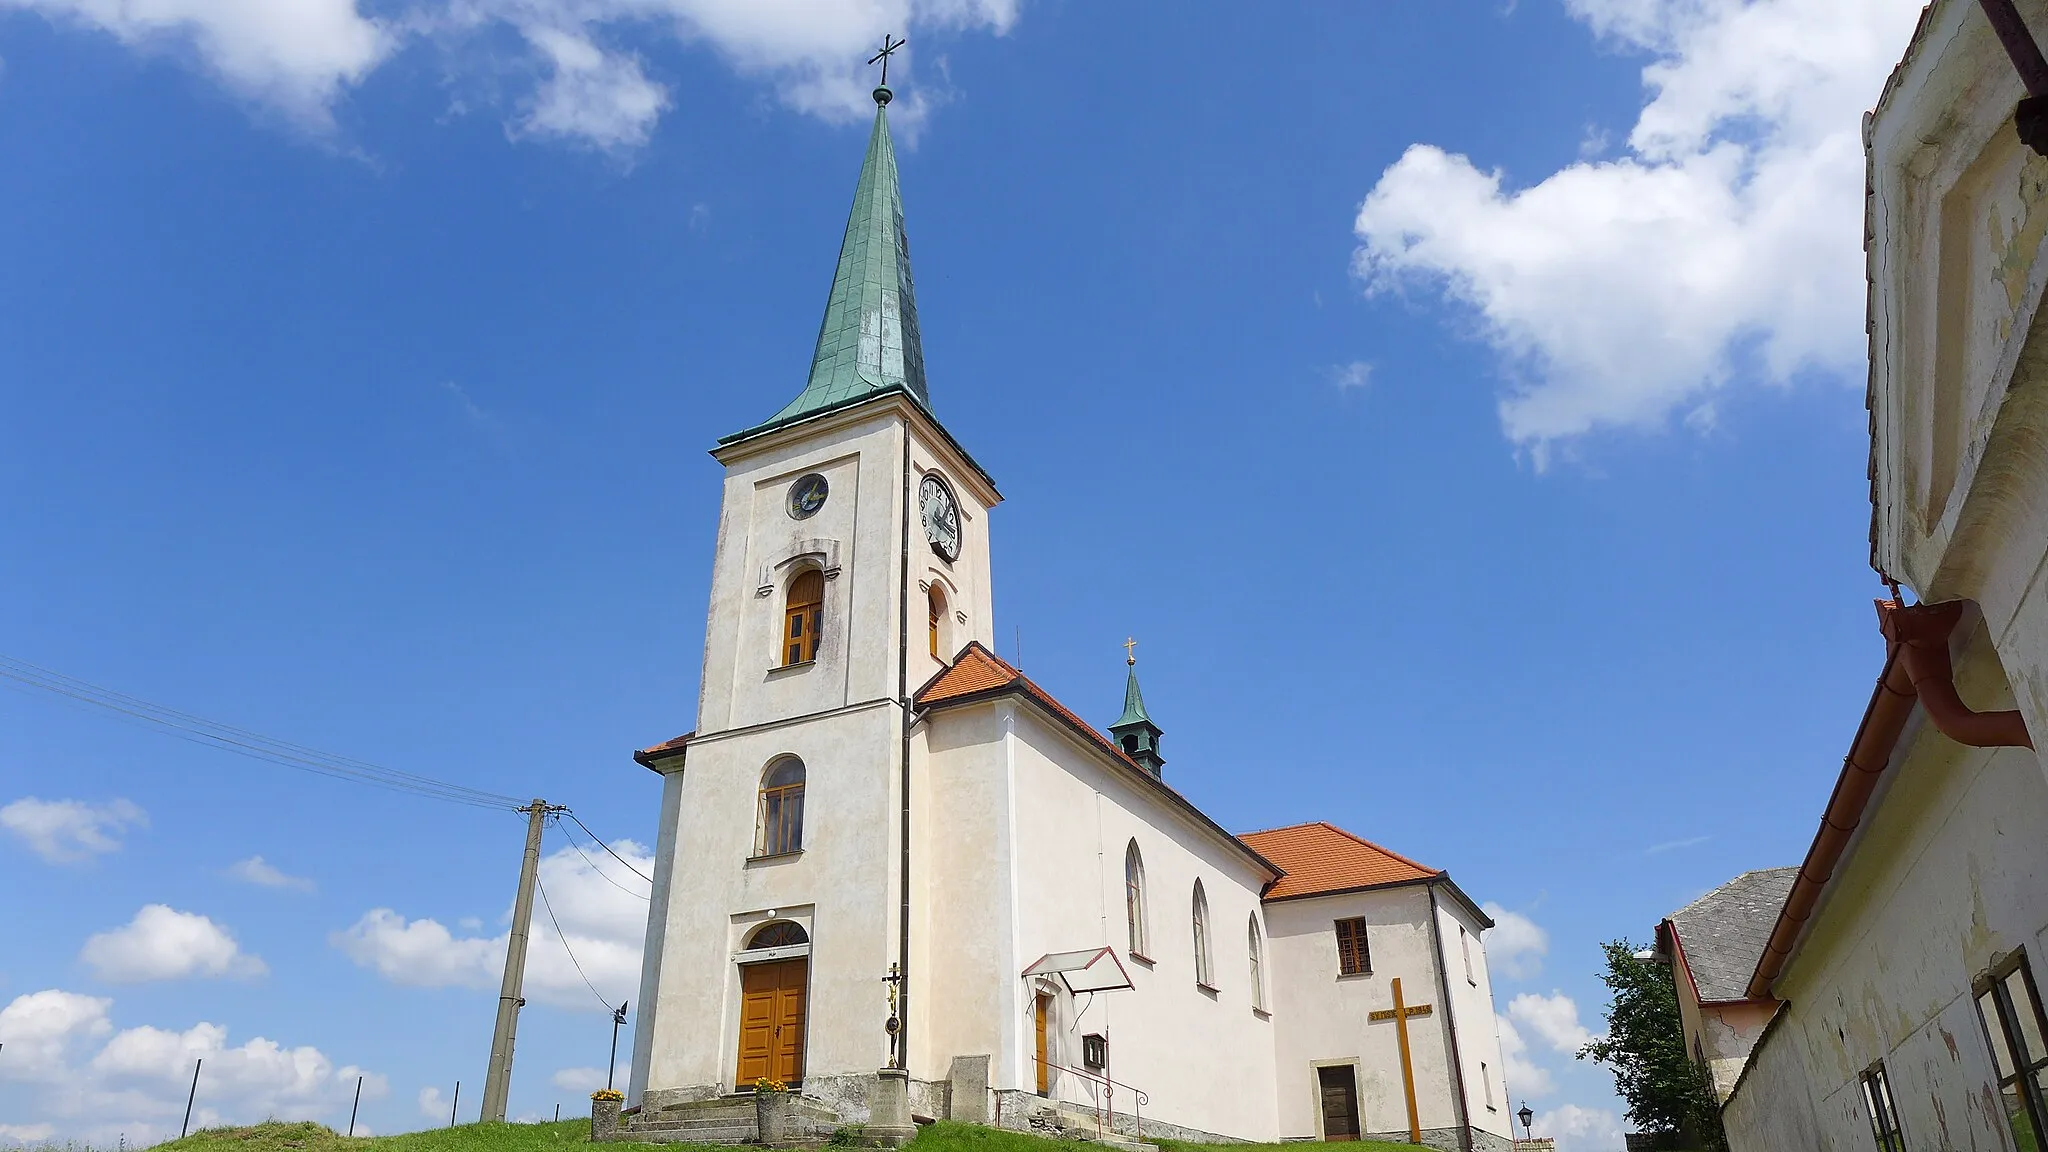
(882, 57)
(1130, 651)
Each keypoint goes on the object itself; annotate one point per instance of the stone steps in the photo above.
(726, 1120)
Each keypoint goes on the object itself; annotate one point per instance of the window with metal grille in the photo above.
(782, 808)
(802, 615)
(2011, 1010)
(1134, 899)
(1353, 957)
(1884, 1115)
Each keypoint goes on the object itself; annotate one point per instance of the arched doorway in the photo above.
(772, 994)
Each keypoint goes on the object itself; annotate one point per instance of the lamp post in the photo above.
(1526, 1116)
(618, 1018)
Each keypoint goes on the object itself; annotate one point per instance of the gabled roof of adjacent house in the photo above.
(1321, 858)
(1722, 934)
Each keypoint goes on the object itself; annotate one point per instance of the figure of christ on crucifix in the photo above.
(1399, 1014)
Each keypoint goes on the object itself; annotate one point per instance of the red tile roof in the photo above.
(1320, 858)
(646, 756)
(978, 673)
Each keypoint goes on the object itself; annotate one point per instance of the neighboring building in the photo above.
(1909, 952)
(870, 792)
(1712, 945)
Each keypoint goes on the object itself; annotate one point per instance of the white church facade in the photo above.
(882, 847)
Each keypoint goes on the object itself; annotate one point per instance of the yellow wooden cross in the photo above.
(1130, 650)
(1399, 1014)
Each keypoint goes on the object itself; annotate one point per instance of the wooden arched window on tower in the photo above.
(1134, 898)
(935, 619)
(1205, 972)
(782, 808)
(802, 615)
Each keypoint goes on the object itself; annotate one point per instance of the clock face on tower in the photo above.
(941, 517)
(807, 495)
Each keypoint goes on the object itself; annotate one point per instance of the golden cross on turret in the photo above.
(882, 57)
(1130, 651)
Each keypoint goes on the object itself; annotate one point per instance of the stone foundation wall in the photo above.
(1447, 1139)
(1013, 1110)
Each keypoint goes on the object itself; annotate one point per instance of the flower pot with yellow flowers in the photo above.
(774, 1111)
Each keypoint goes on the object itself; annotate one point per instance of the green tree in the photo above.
(1645, 1049)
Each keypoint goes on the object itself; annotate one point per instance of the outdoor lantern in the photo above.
(1526, 1116)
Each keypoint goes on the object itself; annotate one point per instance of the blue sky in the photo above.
(1461, 403)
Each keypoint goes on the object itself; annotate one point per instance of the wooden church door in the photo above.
(772, 1022)
(1040, 1014)
(1339, 1085)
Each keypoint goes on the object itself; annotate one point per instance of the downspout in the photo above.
(1443, 984)
(1922, 631)
(903, 700)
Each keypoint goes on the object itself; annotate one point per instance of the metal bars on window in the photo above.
(1884, 1114)
(2011, 1010)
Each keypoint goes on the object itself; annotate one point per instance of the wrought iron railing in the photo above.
(1104, 1104)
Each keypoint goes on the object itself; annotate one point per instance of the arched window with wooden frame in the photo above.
(803, 614)
(782, 809)
(1205, 972)
(1255, 952)
(778, 934)
(1134, 899)
(935, 619)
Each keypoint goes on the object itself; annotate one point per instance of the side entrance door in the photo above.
(1040, 1014)
(1339, 1086)
(772, 1022)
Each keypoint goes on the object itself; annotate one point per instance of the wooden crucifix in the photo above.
(1399, 1014)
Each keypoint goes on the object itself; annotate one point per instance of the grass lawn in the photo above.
(568, 1134)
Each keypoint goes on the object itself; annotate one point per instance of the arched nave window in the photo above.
(1204, 973)
(1255, 954)
(782, 808)
(1134, 898)
(802, 614)
(935, 617)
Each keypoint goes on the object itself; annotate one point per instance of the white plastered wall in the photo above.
(1943, 878)
(1471, 998)
(1044, 815)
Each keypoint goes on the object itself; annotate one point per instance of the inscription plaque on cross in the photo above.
(1400, 1014)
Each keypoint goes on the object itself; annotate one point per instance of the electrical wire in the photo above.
(593, 864)
(564, 938)
(608, 848)
(242, 742)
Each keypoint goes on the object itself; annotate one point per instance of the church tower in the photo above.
(852, 563)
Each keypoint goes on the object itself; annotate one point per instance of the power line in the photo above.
(564, 938)
(242, 742)
(608, 848)
(593, 864)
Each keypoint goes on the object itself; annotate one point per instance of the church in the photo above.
(900, 877)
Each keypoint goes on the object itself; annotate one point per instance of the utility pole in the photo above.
(498, 1079)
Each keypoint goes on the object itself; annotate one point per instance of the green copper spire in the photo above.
(868, 343)
(1134, 731)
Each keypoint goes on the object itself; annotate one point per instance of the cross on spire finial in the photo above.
(889, 46)
(1130, 651)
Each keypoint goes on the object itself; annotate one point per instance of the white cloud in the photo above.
(300, 57)
(1727, 236)
(1675, 845)
(1357, 374)
(435, 1106)
(67, 831)
(1553, 1018)
(1525, 1077)
(583, 1079)
(293, 55)
(38, 1030)
(260, 872)
(593, 96)
(162, 943)
(27, 1133)
(1515, 945)
(134, 1084)
(604, 921)
(1578, 1129)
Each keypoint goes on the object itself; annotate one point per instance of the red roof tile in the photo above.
(665, 748)
(1321, 858)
